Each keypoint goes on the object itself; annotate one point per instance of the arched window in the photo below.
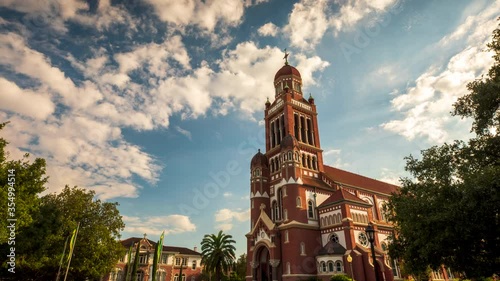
(309, 161)
(280, 204)
(303, 160)
(334, 238)
(323, 266)
(338, 266)
(193, 266)
(160, 275)
(330, 266)
(382, 212)
(339, 217)
(290, 156)
(275, 211)
(299, 202)
(323, 222)
(302, 248)
(314, 163)
(310, 209)
(331, 219)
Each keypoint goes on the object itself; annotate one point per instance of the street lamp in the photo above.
(370, 232)
(349, 260)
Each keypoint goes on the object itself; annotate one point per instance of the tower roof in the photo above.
(259, 159)
(287, 70)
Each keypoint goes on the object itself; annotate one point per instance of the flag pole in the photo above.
(71, 252)
(60, 262)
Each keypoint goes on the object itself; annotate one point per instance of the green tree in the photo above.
(44, 223)
(96, 250)
(217, 253)
(448, 212)
(241, 267)
(340, 277)
(28, 181)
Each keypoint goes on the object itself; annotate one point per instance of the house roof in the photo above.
(342, 195)
(314, 182)
(355, 180)
(181, 250)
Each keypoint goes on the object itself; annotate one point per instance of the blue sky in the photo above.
(158, 104)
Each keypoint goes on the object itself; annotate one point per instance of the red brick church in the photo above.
(308, 219)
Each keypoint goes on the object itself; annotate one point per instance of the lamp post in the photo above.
(370, 232)
(349, 260)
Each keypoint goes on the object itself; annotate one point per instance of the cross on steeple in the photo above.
(286, 57)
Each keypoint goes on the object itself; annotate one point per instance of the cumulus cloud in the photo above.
(26, 102)
(226, 217)
(139, 89)
(171, 224)
(268, 29)
(426, 106)
(310, 19)
(80, 148)
(206, 14)
(54, 13)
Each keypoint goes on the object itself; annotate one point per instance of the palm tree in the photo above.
(217, 253)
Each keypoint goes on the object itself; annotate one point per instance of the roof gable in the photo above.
(355, 180)
(342, 195)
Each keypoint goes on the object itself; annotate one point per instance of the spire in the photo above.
(286, 57)
(311, 99)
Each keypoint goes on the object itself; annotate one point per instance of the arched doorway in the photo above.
(263, 270)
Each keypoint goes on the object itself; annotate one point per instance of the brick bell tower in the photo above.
(283, 196)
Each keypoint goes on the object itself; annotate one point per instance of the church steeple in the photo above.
(291, 114)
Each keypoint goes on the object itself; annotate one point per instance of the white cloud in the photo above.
(389, 176)
(268, 29)
(307, 23)
(54, 13)
(205, 15)
(225, 218)
(354, 11)
(332, 157)
(426, 106)
(83, 143)
(171, 224)
(310, 19)
(227, 194)
(26, 102)
(474, 28)
(183, 132)
(80, 148)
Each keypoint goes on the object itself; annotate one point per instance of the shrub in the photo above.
(340, 277)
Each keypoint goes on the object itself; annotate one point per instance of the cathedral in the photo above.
(308, 219)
